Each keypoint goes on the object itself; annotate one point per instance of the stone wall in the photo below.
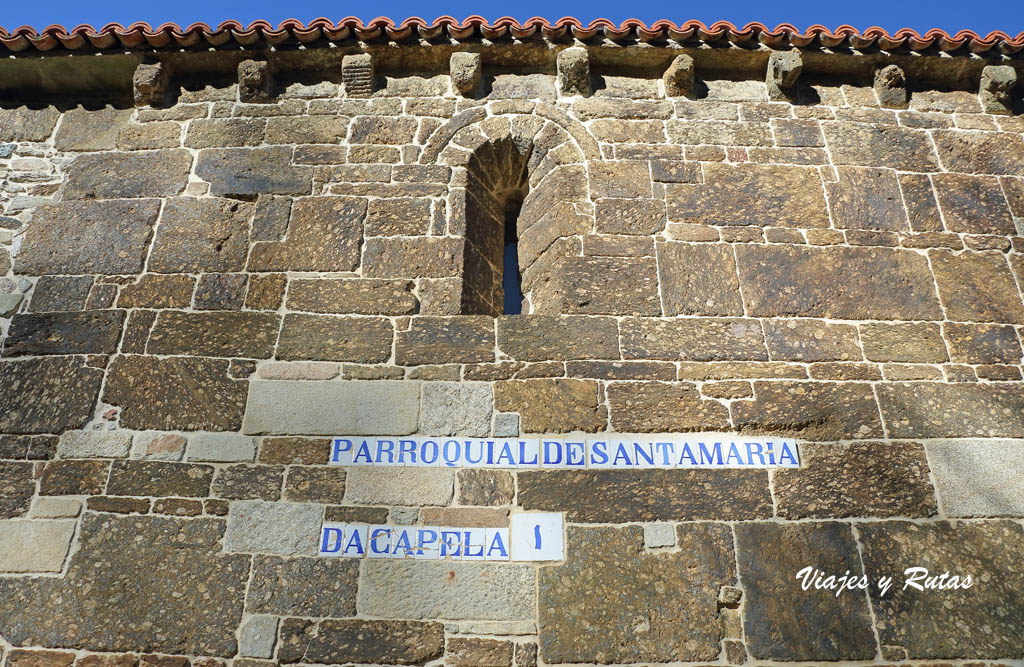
(197, 293)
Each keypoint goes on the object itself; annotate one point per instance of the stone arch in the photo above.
(499, 161)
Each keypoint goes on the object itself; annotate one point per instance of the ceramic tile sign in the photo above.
(531, 536)
(697, 450)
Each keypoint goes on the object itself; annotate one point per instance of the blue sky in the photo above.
(950, 15)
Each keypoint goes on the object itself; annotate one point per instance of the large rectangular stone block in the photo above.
(693, 339)
(214, 334)
(977, 287)
(867, 199)
(251, 171)
(324, 234)
(114, 175)
(47, 395)
(409, 487)
(872, 145)
(378, 407)
(810, 410)
(973, 204)
(108, 237)
(353, 295)
(443, 340)
(552, 405)
(545, 338)
(932, 410)
(201, 235)
(599, 286)
(175, 393)
(89, 332)
(750, 194)
(448, 590)
(615, 496)
(837, 282)
(364, 340)
(981, 152)
(982, 622)
(978, 478)
(698, 279)
(658, 407)
(34, 546)
(417, 257)
(285, 529)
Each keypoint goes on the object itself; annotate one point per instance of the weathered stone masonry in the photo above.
(212, 261)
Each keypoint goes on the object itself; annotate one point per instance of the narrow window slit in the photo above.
(511, 279)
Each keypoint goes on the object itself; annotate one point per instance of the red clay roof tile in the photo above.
(172, 36)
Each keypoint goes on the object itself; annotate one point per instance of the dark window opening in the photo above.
(511, 278)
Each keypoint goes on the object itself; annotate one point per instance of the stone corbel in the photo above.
(784, 69)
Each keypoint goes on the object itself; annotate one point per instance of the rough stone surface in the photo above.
(604, 496)
(74, 478)
(641, 607)
(94, 444)
(399, 486)
(447, 590)
(802, 340)
(324, 234)
(751, 195)
(977, 287)
(47, 395)
(314, 408)
(363, 296)
(89, 332)
(214, 334)
(247, 482)
(904, 342)
(285, 529)
(978, 478)
(659, 535)
(175, 393)
(928, 410)
(34, 546)
(220, 448)
(544, 337)
(315, 485)
(157, 291)
(17, 486)
(251, 171)
(434, 340)
(810, 410)
(155, 478)
(981, 152)
(193, 607)
(61, 293)
(455, 408)
(25, 124)
(486, 487)
(867, 199)
(841, 283)
(114, 175)
(552, 406)
(107, 237)
(200, 235)
(860, 479)
(981, 622)
(822, 626)
(638, 407)
(973, 204)
(257, 637)
(698, 280)
(600, 286)
(982, 343)
(358, 339)
(473, 652)
(373, 642)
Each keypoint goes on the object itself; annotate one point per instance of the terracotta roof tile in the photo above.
(292, 31)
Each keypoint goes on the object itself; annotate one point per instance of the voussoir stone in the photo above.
(822, 625)
(176, 393)
(637, 607)
(373, 407)
(106, 237)
(116, 175)
(324, 234)
(47, 395)
(192, 607)
(876, 479)
(201, 235)
(980, 622)
(251, 171)
(607, 496)
(316, 587)
(285, 529)
(89, 332)
(837, 282)
(450, 590)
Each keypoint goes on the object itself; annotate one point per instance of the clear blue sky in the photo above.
(950, 15)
